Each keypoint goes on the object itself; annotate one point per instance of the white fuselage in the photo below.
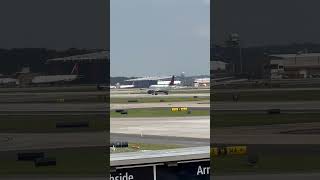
(161, 86)
(53, 78)
(168, 82)
(125, 86)
(8, 81)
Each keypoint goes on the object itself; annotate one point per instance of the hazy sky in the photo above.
(54, 24)
(159, 37)
(263, 22)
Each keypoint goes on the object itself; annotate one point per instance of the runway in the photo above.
(30, 141)
(144, 91)
(159, 95)
(188, 127)
(53, 107)
(265, 139)
(267, 134)
(148, 139)
(191, 104)
(36, 97)
(90, 107)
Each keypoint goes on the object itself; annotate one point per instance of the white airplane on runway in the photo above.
(50, 79)
(162, 88)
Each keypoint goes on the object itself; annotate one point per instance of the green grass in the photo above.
(157, 99)
(270, 96)
(160, 112)
(71, 161)
(45, 123)
(228, 120)
(133, 147)
(268, 163)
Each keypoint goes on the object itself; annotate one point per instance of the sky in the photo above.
(54, 24)
(265, 22)
(160, 37)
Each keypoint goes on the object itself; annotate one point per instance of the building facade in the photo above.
(295, 66)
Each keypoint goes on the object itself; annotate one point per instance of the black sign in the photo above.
(136, 173)
(185, 171)
(180, 171)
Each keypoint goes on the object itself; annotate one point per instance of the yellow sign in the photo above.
(175, 109)
(231, 150)
(60, 100)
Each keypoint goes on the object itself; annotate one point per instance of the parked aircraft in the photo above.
(162, 88)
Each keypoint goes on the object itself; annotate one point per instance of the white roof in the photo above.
(160, 156)
(104, 55)
(149, 78)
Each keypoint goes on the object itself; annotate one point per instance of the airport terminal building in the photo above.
(295, 66)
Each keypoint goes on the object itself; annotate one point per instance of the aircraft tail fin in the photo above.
(172, 81)
(75, 69)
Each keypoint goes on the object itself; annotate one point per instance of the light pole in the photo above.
(235, 41)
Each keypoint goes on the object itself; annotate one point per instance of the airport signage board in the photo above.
(185, 171)
(229, 150)
(177, 109)
(198, 170)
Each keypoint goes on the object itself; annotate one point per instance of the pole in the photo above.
(240, 58)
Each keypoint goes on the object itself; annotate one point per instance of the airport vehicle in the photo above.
(162, 88)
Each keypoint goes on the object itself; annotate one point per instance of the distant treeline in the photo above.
(12, 60)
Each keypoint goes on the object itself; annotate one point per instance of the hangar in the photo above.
(93, 67)
(295, 66)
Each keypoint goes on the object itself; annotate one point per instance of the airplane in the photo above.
(50, 79)
(162, 88)
(6, 81)
(112, 87)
